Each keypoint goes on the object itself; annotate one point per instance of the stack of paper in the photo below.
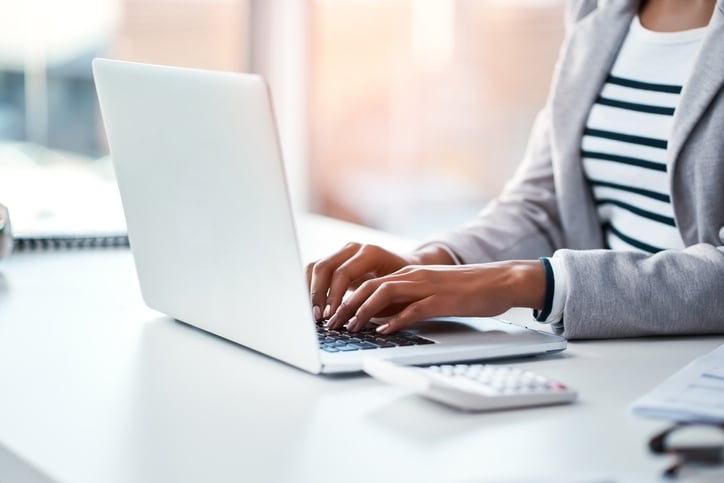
(693, 394)
(64, 195)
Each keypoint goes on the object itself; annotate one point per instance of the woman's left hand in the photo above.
(419, 292)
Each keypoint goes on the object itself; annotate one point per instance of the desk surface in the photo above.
(98, 388)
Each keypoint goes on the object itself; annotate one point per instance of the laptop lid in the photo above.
(203, 189)
(201, 179)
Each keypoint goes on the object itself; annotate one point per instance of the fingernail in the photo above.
(382, 328)
(351, 323)
(317, 312)
(327, 311)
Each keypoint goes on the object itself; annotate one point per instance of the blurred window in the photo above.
(406, 115)
(46, 90)
(53, 153)
(420, 109)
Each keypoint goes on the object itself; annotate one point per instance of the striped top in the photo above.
(624, 146)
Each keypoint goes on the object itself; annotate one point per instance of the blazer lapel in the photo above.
(705, 80)
(592, 47)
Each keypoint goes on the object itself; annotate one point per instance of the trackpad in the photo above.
(471, 330)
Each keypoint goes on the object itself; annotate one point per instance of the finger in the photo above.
(321, 275)
(339, 318)
(414, 312)
(316, 312)
(354, 284)
(389, 293)
(309, 268)
(346, 277)
(349, 306)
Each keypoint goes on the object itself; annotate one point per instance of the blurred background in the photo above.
(404, 115)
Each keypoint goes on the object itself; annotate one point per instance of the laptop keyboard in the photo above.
(366, 339)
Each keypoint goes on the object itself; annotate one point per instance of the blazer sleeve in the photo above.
(628, 294)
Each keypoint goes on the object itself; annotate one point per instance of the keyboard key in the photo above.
(346, 348)
(367, 345)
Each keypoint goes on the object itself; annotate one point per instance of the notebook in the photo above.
(59, 200)
(213, 237)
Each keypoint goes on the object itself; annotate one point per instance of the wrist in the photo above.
(527, 283)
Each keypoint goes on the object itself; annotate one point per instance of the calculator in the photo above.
(473, 387)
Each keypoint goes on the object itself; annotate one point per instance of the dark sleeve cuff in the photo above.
(542, 315)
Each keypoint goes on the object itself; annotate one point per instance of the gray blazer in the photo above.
(548, 206)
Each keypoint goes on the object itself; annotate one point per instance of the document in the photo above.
(693, 394)
(64, 201)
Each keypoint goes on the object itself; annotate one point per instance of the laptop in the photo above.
(201, 177)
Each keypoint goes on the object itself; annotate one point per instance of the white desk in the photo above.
(97, 388)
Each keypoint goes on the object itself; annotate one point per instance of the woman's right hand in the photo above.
(331, 277)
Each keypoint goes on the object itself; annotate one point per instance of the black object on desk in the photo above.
(53, 242)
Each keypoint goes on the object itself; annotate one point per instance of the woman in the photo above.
(613, 225)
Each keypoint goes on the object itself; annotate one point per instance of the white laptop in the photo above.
(202, 183)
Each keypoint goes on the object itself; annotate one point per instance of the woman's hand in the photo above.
(330, 278)
(413, 293)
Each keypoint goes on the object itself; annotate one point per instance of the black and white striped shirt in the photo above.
(624, 146)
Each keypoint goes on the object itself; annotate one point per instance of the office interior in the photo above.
(403, 116)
